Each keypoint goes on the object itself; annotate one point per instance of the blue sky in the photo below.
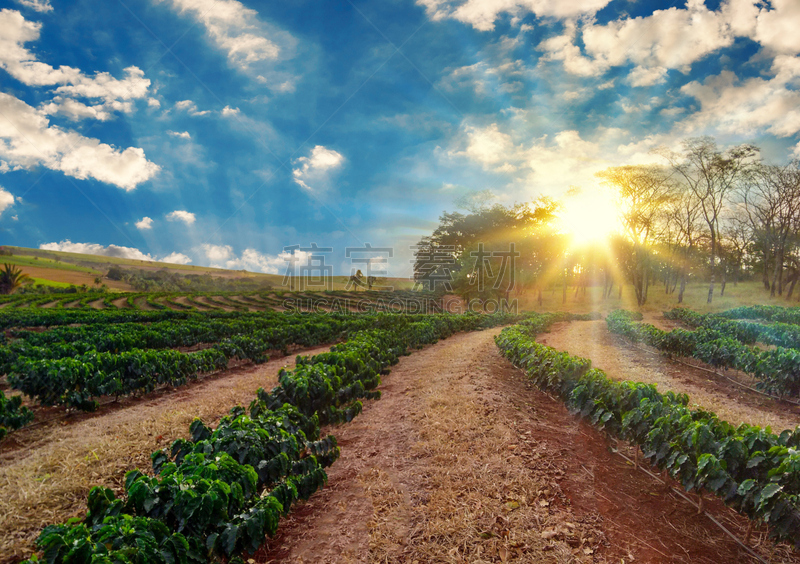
(219, 132)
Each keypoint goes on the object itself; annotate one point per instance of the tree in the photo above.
(770, 198)
(711, 175)
(644, 193)
(471, 253)
(12, 278)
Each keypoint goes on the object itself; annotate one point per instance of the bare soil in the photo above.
(462, 461)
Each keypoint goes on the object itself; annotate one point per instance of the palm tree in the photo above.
(12, 278)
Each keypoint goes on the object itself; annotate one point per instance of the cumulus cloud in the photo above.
(313, 172)
(223, 256)
(27, 139)
(481, 14)
(38, 5)
(144, 223)
(252, 45)
(673, 38)
(647, 76)
(744, 107)
(181, 215)
(490, 147)
(189, 107)
(116, 251)
(551, 163)
(486, 78)
(227, 111)
(775, 25)
(6, 200)
(108, 94)
(176, 258)
(181, 134)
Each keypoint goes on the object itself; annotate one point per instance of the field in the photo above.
(458, 438)
(57, 268)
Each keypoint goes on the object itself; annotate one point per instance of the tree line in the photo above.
(704, 213)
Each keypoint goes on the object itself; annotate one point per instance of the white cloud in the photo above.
(252, 45)
(68, 246)
(181, 215)
(795, 152)
(223, 256)
(153, 103)
(486, 78)
(111, 94)
(189, 107)
(313, 172)
(176, 258)
(550, 164)
(489, 147)
(181, 134)
(671, 112)
(674, 38)
(776, 28)
(144, 223)
(481, 14)
(6, 200)
(745, 107)
(38, 5)
(227, 111)
(217, 253)
(647, 76)
(562, 48)
(27, 139)
(115, 251)
(629, 108)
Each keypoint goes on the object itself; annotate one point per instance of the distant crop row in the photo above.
(776, 333)
(73, 366)
(368, 300)
(221, 493)
(777, 371)
(750, 468)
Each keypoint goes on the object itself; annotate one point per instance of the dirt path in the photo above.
(46, 477)
(623, 361)
(461, 461)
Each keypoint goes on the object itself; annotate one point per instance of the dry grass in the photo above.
(472, 499)
(743, 294)
(48, 480)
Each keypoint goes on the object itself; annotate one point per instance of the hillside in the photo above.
(57, 268)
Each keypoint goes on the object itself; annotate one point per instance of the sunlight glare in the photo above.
(589, 216)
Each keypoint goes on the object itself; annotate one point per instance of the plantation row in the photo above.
(774, 333)
(776, 314)
(74, 366)
(13, 415)
(751, 469)
(777, 371)
(367, 300)
(221, 493)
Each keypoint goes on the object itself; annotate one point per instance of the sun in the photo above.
(589, 216)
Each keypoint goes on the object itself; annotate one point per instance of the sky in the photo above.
(236, 134)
